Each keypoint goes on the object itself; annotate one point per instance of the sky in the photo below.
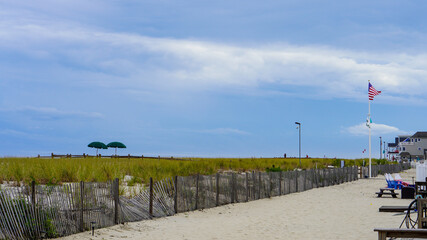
(210, 78)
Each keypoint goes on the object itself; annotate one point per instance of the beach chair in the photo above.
(391, 183)
(399, 179)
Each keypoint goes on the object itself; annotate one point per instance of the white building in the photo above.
(413, 147)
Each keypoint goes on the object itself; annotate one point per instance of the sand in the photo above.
(346, 211)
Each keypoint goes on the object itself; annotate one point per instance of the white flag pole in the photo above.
(369, 125)
(369, 119)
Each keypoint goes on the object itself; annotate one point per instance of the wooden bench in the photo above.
(394, 208)
(387, 191)
(384, 233)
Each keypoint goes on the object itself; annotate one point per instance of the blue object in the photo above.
(394, 184)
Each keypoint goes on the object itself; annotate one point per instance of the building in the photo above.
(412, 147)
(393, 148)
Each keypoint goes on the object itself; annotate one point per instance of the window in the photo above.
(404, 149)
(412, 140)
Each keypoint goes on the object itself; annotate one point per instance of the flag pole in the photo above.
(369, 119)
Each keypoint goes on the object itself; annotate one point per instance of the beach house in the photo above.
(393, 147)
(413, 147)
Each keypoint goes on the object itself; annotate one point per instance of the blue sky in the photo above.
(209, 78)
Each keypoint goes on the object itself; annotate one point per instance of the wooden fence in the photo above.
(84, 155)
(35, 211)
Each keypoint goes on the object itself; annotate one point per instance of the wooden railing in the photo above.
(84, 155)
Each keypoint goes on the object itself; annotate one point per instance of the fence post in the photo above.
(175, 206)
(344, 178)
(247, 187)
(33, 202)
(317, 175)
(328, 173)
(116, 200)
(81, 205)
(313, 176)
(197, 191)
(355, 173)
(296, 180)
(217, 189)
(348, 174)
(254, 185)
(52, 155)
(231, 189)
(336, 173)
(33, 193)
(344, 175)
(322, 175)
(236, 194)
(305, 180)
(269, 184)
(259, 185)
(150, 210)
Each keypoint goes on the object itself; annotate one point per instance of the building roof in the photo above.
(404, 154)
(420, 135)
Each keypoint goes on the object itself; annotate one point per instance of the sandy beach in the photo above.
(346, 211)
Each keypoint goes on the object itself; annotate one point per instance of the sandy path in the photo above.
(347, 211)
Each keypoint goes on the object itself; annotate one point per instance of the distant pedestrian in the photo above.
(284, 155)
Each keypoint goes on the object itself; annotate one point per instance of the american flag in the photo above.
(372, 92)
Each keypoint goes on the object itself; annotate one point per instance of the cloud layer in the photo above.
(141, 62)
(48, 113)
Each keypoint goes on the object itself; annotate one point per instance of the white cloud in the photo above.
(47, 113)
(12, 132)
(224, 131)
(376, 129)
(141, 63)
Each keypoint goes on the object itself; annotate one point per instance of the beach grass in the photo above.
(59, 170)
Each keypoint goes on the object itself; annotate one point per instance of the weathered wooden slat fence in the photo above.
(34, 212)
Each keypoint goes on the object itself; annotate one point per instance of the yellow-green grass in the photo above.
(56, 171)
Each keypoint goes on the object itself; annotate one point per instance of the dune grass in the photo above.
(57, 171)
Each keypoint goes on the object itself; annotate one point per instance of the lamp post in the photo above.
(381, 148)
(384, 151)
(299, 127)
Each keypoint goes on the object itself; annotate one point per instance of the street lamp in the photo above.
(299, 127)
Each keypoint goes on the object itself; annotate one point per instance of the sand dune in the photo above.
(347, 211)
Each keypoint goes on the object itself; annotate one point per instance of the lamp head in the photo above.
(298, 123)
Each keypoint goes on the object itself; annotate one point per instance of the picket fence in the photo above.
(36, 211)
